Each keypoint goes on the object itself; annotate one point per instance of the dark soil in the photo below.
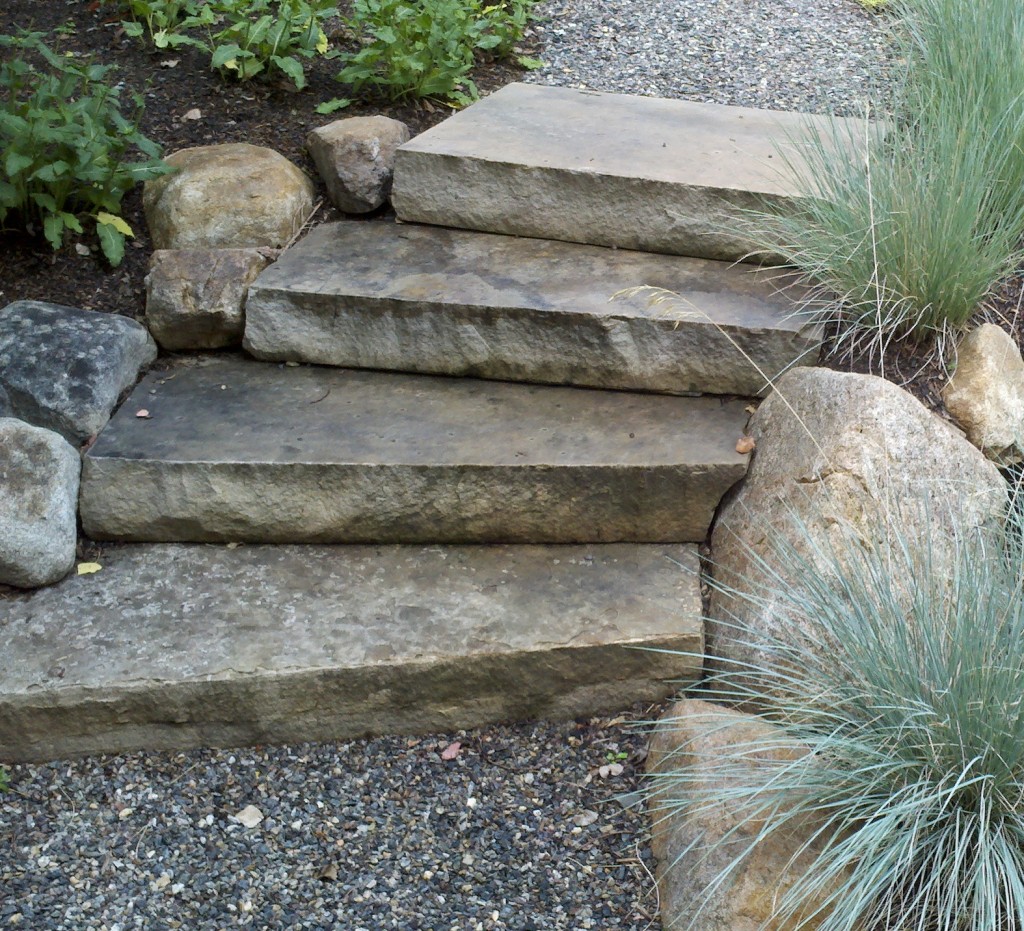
(175, 82)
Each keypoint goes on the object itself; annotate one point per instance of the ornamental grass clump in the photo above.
(912, 227)
(907, 687)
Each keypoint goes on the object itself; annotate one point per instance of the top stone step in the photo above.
(608, 169)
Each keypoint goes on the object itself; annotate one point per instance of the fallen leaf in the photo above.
(144, 414)
(194, 114)
(81, 248)
(249, 816)
(744, 445)
(170, 63)
(585, 818)
(162, 883)
(328, 873)
(610, 769)
(751, 408)
(451, 751)
(88, 568)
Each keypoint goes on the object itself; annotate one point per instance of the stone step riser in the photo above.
(173, 647)
(450, 302)
(611, 169)
(233, 450)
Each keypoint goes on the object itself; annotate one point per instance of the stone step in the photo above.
(236, 450)
(425, 299)
(171, 646)
(612, 169)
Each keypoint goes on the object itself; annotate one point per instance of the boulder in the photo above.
(843, 457)
(39, 473)
(63, 368)
(356, 159)
(720, 748)
(195, 298)
(985, 395)
(231, 196)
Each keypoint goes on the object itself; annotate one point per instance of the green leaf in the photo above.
(109, 219)
(330, 106)
(292, 68)
(53, 229)
(224, 54)
(531, 64)
(16, 162)
(111, 242)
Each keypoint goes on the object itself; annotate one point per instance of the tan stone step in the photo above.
(230, 449)
(405, 297)
(612, 169)
(176, 646)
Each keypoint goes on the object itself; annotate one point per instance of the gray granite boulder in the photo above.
(985, 394)
(844, 464)
(356, 159)
(695, 838)
(63, 368)
(195, 298)
(39, 473)
(230, 196)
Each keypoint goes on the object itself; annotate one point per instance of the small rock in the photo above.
(63, 368)
(195, 298)
(231, 196)
(249, 816)
(39, 473)
(985, 396)
(356, 159)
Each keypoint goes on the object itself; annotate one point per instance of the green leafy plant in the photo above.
(411, 49)
(263, 36)
(911, 227)
(906, 686)
(5, 780)
(65, 145)
(164, 23)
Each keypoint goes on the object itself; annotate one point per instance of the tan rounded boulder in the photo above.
(231, 196)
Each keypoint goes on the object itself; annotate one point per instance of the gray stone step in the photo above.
(234, 450)
(172, 646)
(404, 297)
(611, 169)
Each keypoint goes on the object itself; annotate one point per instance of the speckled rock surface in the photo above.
(63, 368)
(985, 394)
(195, 298)
(184, 646)
(229, 196)
(39, 474)
(356, 159)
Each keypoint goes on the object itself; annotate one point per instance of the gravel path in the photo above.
(519, 830)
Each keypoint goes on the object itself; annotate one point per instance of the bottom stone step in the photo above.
(176, 646)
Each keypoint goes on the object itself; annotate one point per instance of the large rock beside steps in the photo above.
(195, 298)
(695, 838)
(230, 196)
(985, 394)
(39, 474)
(356, 159)
(842, 460)
(63, 368)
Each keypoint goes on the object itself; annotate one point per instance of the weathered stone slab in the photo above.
(63, 368)
(39, 473)
(195, 298)
(182, 646)
(611, 169)
(241, 450)
(425, 299)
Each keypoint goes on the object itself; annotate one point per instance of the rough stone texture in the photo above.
(63, 368)
(850, 457)
(39, 473)
(192, 646)
(692, 847)
(356, 159)
(241, 450)
(230, 196)
(985, 396)
(425, 299)
(195, 298)
(615, 170)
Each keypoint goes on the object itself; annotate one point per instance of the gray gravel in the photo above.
(519, 831)
(806, 55)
